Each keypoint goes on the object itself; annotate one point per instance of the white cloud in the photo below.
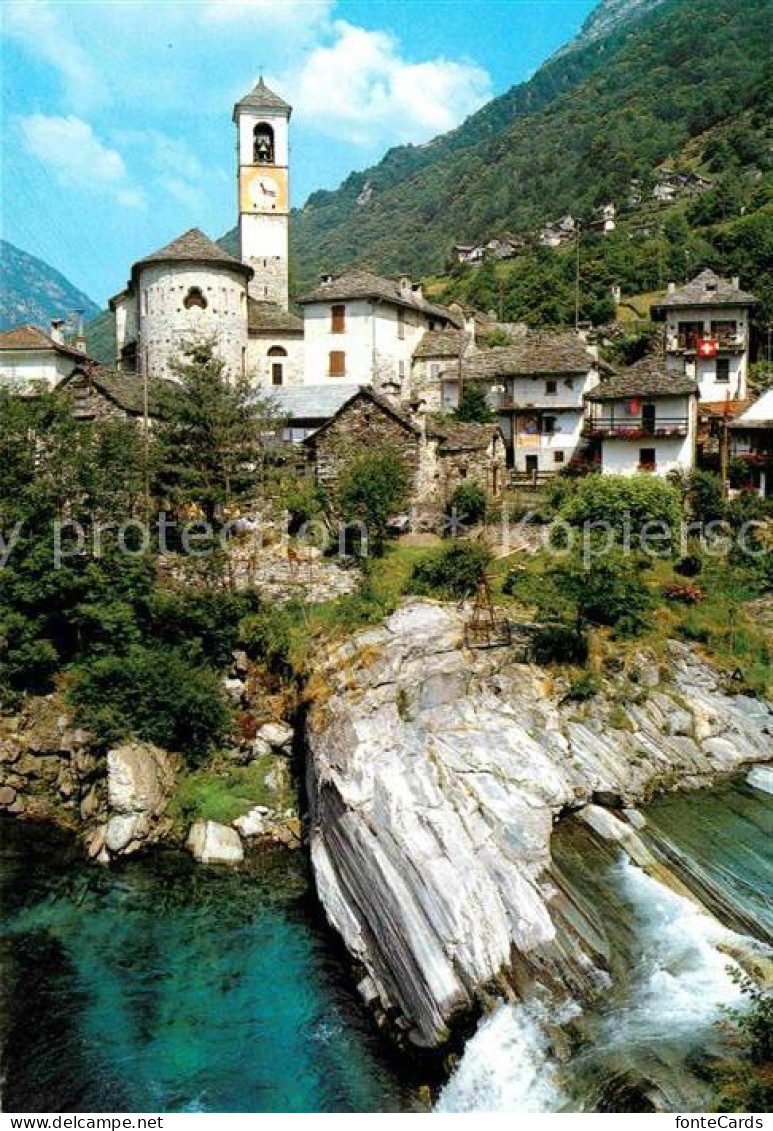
(361, 89)
(36, 25)
(70, 149)
(272, 13)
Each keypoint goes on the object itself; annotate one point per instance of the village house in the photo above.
(439, 453)
(97, 393)
(470, 254)
(435, 368)
(536, 386)
(643, 420)
(707, 334)
(558, 233)
(364, 328)
(31, 360)
(604, 218)
(751, 440)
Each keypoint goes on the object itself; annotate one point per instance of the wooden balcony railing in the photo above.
(609, 429)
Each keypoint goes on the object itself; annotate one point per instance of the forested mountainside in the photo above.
(33, 291)
(686, 83)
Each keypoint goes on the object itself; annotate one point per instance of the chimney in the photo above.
(326, 279)
(405, 284)
(80, 336)
(57, 330)
(418, 290)
(671, 288)
(616, 293)
(736, 282)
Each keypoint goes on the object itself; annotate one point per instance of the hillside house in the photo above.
(536, 386)
(558, 233)
(33, 361)
(707, 334)
(643, 419)
(470, 254)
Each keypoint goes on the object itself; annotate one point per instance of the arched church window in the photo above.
(277, 367)
(193, 298)
(263, 144)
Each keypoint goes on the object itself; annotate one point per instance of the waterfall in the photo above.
(647, 1041)
(506, 1066)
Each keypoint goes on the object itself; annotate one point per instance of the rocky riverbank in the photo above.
(436, 775)
(133, 796)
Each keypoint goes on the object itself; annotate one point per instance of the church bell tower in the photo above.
(262, 123)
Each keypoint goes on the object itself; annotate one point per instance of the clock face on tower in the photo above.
(263, 189)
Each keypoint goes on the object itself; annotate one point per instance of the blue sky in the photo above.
(116, 116)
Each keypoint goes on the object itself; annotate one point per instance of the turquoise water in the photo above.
(162, 986)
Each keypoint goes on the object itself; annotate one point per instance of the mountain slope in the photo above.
(591, 119)
(33, 291)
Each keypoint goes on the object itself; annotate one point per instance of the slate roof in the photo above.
(456, 436)
(647, 378)
(706, 289)
(535, 352)
(261, 97)
(385, 405)
(124, 389)
(32, 338)
(359, 283)
(193, 247)
(442, 343)
(310, 402)
(265, 317)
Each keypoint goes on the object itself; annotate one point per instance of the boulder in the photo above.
(139, 778)
(253, 823)
(7, 796)
(211, 843)
(277, 735)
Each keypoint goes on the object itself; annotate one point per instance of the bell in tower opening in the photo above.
(263, 144)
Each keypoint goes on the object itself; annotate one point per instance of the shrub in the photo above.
(266, 637)
(452, 572)
(560, 644)
(372, 487)
(608, 590)
(473, 405)
(618, 501)
(583, 689)
(689, 566)
(201, 622)
(154, 694)
(704, 492)
(468, 503)
(303, 500)
(686, 594)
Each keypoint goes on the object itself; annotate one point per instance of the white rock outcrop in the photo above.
(212, 843)
(435, 777)
(140, 779)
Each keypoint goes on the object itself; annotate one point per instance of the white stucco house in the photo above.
(32, 360)
(363, 328)
(707, 334)
(751, 440)
(643, 420)
(536, 385)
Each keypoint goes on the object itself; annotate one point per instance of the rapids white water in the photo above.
(656, 1022)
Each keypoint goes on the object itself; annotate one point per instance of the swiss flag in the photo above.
(707, 347)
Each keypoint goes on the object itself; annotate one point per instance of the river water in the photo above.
(162, 986)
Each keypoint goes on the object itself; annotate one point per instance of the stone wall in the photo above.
(363, 426)
(166, 324)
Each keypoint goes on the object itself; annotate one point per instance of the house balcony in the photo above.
(687, 345)
(665, 427)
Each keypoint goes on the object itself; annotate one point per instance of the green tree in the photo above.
(372, 488)
(210, 435)
(473, 406)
